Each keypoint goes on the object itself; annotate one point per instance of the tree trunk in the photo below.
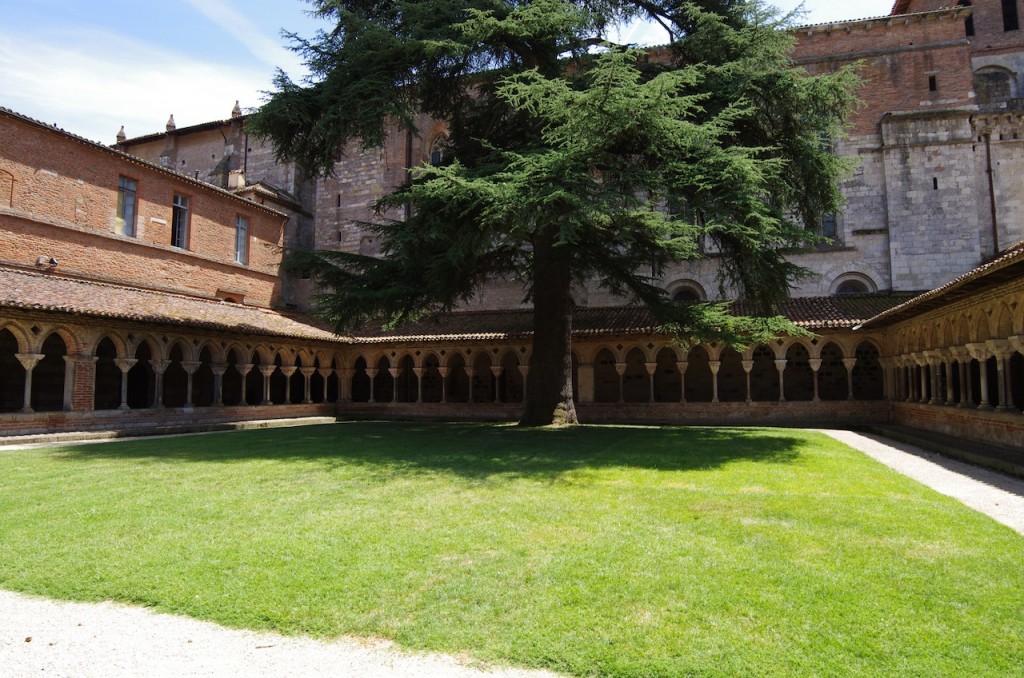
(549, 387)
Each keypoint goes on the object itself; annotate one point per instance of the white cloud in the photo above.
(267, 49)
(103, 81)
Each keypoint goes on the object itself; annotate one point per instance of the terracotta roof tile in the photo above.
(31, 290)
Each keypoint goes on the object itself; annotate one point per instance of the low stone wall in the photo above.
(986, 426)
(151, 421)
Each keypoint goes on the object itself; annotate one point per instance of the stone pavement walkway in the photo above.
(106, 640)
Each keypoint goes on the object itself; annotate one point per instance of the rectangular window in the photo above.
(179, 222)
(241, 240)
(828, 225)
(1010, 19)
(933, 83)
(126, 204)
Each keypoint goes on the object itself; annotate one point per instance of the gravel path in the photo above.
(45, 638)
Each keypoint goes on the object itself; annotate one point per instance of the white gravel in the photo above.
(79, 640)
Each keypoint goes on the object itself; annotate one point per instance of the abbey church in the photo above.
(141, 287)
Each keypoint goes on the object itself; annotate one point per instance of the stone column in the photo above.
(244, 369)
(1002, 351)
(933, 360)
(849, 364)
(715, 366)
(124, 365)
(266, 371)
(288, 371)
(922, 363)
(980, 353)
(418, 371)
(947, 361)
(218, 370)
(394, 372)
(620, 368)
(780, 366)
(29, 362)
(525, 371)
(651, 369)
(815, 364)
(681, 366)
(190, 368)
(748, 365)
(469, 377)
(371, 372)
(348, 373)
(307, 375)
(443, 371)
(159, 367)
(496, 371)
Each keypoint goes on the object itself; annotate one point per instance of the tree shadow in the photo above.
(477, 451)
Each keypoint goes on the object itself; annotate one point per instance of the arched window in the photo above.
(852, 283)
(439, 149)
(687, 292)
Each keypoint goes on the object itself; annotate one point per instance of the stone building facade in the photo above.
(156, 320)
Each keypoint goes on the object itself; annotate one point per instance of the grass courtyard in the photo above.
(595, 551)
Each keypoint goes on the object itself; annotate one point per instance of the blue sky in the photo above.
(91, 66)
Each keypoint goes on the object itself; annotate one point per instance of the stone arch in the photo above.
(202, 378)
(1004, 322)
(606, 377)
(832, 376)
(12, 374)
(72, 342)
(868, 376)
(686, 290)
(851, 283)
(20, 336)
(962, 332)
(360, 380)
(141, 376)
(994, 84)
(121, 348)
(406, 383)
(511, 383)
(764, 376)
(798, 377)
(667, 384)
(107, 381)
(699, 388)
(981, 330)
(334, 381)
(175, 377)
(49, 376)
(383, 382)
(732, 379)
(636, 384)
(433, 386)
(231, 382)
(439, 147)
(483, 378)
(457, 380)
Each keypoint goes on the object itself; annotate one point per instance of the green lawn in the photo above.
(597, 550)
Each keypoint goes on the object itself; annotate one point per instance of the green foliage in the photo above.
(612, 551)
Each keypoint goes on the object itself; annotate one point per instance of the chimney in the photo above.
(170, 124)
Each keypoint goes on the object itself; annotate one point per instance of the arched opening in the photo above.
(278, 383)
(832, 376)
(458, 380)
(202, 380)
(48, 376)
(636, 385)
(868, 377)
(799, 377)
(360, 382)
(383, 383)
(175, 379)
(667, 383)
(1016, 379)
(332, 383)
(732, 380)
(254, 382)
(991, 365)
(297, 383)
(511, 381)
(12, 374)
(231, 386)
(483, 379)
(432, 382)
(606, 378)
(406, 383)
(316, 383)
(107, 390)
(142, 379)
(764, 377)
(698, 376)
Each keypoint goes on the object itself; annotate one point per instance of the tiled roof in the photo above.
(1006, 266)
(811, 313)
(32, 290)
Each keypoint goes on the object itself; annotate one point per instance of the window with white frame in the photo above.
(179, 222)
(241, 239)
(127, 191)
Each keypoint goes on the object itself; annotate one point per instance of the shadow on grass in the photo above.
(466, 450)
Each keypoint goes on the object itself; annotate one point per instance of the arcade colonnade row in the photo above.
(48, 366)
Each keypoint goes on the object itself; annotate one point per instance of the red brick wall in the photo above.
(989, 35)
(895, 64)
(70, 189)
(987, 426)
